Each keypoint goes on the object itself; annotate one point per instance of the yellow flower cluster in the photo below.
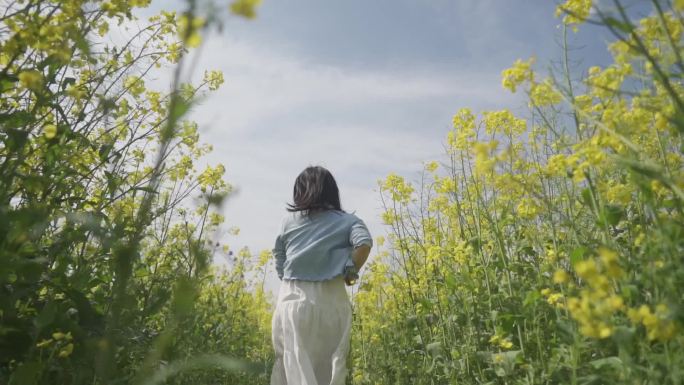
(619, 193)
(461, 251)
(399, 190)
(485, 160)
(212, 176)
(544, 94)
(561, 276)
(541, 94)
(431, 166)
(503, 343)
(244, 8)
(521, 72)
(606, 83)
(135, 85)
(595, 306)
(659, 325)
(214, 79)
(527, 208)
(63, 344)
(31, 79)
(552, 298)
(503, 121)
(189, 30)
(464, 130)
(576, 11)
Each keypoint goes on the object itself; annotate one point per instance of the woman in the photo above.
(319, 248)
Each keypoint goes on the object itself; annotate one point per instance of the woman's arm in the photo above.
(279, 254)
(360, 255)
(361, 241)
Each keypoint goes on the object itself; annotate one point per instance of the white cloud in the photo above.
(262, 82)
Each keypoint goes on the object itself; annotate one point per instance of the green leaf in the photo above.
(624, 336)
(156, 303)
(146, 189)
(619, 25)
(434, 348)
(577, 255)
(531, 298)
(180, 108)
(647, 169)
(512, 355)
(475, 243)
(19, 119)
(230, 364)
(184, 296)
(15, 138)
(611, 215)
(613, 362)
(27, 373)
(678, 121)
(88, 316)
(450, 281)
(67, 81)
(7, 82)
(587, 197)
(47, 315)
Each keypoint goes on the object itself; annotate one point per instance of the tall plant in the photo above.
(101, 252)
(549, 249)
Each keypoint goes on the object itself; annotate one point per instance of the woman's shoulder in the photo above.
(288, 218)
(349, 217)
(299, 217)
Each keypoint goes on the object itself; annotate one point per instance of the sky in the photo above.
(363, 88)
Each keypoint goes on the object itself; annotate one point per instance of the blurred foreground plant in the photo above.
(102, 254)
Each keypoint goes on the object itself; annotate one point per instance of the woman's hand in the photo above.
(350, 275)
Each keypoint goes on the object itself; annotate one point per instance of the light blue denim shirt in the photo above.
(318, 248)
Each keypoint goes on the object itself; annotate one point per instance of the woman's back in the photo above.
(318, 246)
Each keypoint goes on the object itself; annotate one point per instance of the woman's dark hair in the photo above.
(315, 189)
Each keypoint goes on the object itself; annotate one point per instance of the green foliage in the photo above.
(544, 250)
(103, 257)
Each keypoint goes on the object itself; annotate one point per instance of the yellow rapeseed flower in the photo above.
(586, 269)
(244, 8)
(521, 71)
(58, 336)
(31, 79)
(192, 36)
(576, 11)
(560, 276)
(44, 343)
(605, 331)
(555, 299)
(50, 131)
(66, 351)
(544, 94)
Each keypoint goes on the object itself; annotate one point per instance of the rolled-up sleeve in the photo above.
(279, 253)
(359, 234)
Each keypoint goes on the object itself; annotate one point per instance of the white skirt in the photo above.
(311, 327)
